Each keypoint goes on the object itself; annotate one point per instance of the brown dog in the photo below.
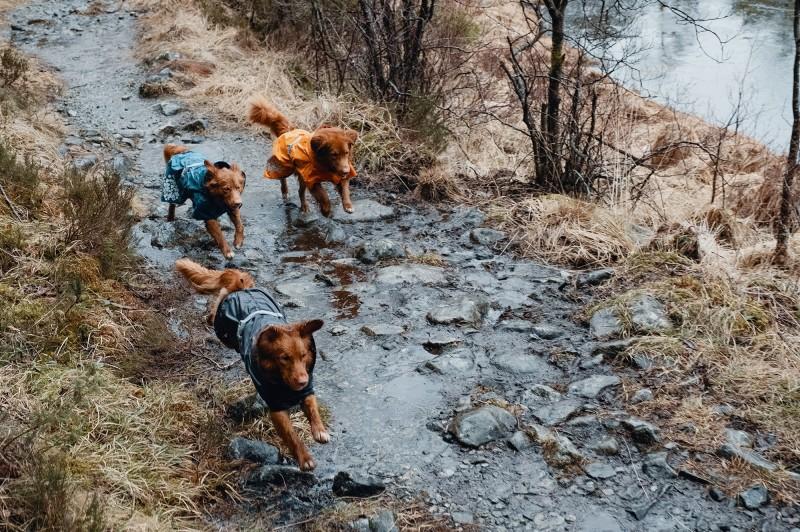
(218, 283)
(213, 188)
(324, 155)
(279, 356)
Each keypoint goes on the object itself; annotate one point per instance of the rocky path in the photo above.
(433, 337)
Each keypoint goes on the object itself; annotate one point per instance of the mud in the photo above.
(390, 397)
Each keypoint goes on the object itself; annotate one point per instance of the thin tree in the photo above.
(783, 225)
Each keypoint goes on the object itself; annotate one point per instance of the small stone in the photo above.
(486, 237)
(557, 413)
(166, 130)
(604, 323)
(278, 474)
(84, 163)
(594, 277)
(520, 363)
(120, 165)
(723, 410)
(383, 522)
(717, 494)
(591, 362)
(373, 251)
(641, 396)
(544, 392)
(642, 431)
(592, 387)
(382, 329)
(411, 274)
(547, 332)
(357, 485)
(739, 438)
(516, 326)
(656, 465)
(482, 425)
(606, 446)
(648, 314)
(247, 408)
(196, 126)
(338, 330)
(599, 470)
(170, 108)
(253, 450)
(752, 458)
(520, 441)
(754, 498)
(467, 310)
(458, 361)
(363, 211)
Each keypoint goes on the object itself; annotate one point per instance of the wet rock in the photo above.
(85, 162)
(641, 396)
(515, 326)
(357, 485)
(557, 413)
(612, 348)
(383, 522)
(754, 498)
(471, 217)
(520, 441)
(739, 438)
(591, 362)
(562, 451)
(547, 332)
(411, 274)
(607, 446)
(281, 475)
(597, 520)
(338, 330)
(170, 108)
(599, 470)
(594, 277)
(459, 361)
(482, 425)
(593, 386)
(642, 431)
(648, 314)
(333, 233)
(382, 329)
(120, 165)
(467, 310)
(604, 323)
(247, 408)
(656, 465)
(194, 139)
(717, 494)
(462, 518)
(641, 511)
(363, 211)
(543, 392)
(752, 458)
(548, 521)
(252, 450)
(486, 237)
(435, 343)
(521, 363)
(373, 251)
(196, 126)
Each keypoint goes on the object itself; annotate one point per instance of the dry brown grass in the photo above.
(410, 516)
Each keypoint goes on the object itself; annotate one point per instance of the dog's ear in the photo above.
(351, 135)
(318, 144)
(307, 328)
(270, 334)
(210, 168)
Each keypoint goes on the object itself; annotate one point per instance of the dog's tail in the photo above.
(171, 150)
(203, 280)
(264, 113)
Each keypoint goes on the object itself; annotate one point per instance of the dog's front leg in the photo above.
(318, 191)
(302, 191)
(213, 228)
(284, 189)
(171, 213)
(344, 193)
(283, 425)
(311, 410)
(236, 219)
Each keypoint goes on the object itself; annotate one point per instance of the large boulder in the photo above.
(482, 425)
(466, 310)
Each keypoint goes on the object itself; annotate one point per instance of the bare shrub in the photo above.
(19, 183)
(98, 217)
(13, 66)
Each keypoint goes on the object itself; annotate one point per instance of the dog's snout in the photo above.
(237, 205)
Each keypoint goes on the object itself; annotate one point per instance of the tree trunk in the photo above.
(555, 9)
(782, 227)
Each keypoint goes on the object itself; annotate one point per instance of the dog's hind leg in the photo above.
(344, 193)
(318, 191)
(283, 426)
(311, 410)
(171, 213)
(236, 219)
(213, 228)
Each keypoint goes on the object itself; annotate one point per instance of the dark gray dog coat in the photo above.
(240, 319)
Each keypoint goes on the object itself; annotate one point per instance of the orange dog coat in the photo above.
(291, 152)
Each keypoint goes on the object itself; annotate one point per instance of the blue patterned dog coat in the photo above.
(185, 178)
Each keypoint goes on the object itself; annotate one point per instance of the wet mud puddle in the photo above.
(391, 378)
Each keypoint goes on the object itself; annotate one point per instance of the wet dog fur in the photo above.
(226, 184)
(332, 148)
(285, 351)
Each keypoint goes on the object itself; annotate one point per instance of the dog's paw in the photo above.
(349, 210)
(238, 243)
(229, 255)
(306, 464)
(321, 436)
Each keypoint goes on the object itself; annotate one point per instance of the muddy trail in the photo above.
(432, 322)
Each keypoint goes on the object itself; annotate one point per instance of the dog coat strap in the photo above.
(252, 315)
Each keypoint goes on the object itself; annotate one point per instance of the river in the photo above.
(699, 72)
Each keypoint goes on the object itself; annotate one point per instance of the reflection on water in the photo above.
(695, 72)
